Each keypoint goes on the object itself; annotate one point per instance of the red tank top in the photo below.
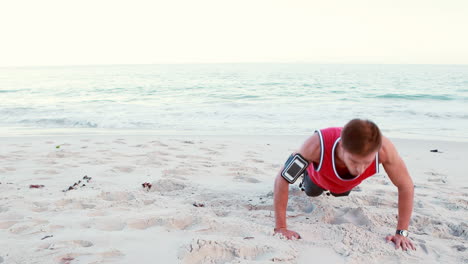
(325, 174)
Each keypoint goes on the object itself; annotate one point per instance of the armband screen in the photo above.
(294, 168)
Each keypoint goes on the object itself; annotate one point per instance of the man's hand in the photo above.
(289, 234)
(401, 241)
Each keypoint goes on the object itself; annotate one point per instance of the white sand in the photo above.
(113, 219)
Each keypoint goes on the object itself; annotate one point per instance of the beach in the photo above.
(142, 132)
(209, 199)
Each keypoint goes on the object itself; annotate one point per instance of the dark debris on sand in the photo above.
(436, 151)
(146, 186)
(78, 184)
(36, 186)
(46, 237)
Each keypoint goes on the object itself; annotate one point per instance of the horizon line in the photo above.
(219, 63)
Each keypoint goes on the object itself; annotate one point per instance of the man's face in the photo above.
(357, 164)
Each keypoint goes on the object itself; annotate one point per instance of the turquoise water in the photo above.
(423, 101)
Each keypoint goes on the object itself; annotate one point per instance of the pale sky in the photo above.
(66, 32)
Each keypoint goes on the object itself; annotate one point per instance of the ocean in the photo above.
(406, 101)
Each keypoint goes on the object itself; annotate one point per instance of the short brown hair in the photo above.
(361, 137)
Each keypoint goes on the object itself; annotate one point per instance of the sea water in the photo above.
(409, 101)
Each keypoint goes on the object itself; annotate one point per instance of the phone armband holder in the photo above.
(294, 168)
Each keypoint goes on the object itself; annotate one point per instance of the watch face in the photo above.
(403, 233)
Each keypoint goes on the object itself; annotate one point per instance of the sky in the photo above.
(87, 32)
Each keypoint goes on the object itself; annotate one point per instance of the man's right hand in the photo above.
(289, 234)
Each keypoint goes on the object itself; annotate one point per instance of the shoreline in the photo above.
(36, 132)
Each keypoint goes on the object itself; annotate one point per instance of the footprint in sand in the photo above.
(459, 230)
(69, 203)
(102, 257)
(18, 229)
(71, 166)
(257, 207)
(246, 179)
(245, 174)
(7, 224)
(63, 202)
(110, 224)
(174, 149)
(460, 248)
(140, 146)
(158, 143)
(105, 224)
(356, 216)
(117, 196)
(221, 146)
(182, 222)
(166, 186)
(111, 254)
(455, 205)
(211, 152)
(144, 223)
(254, 160)
(251, 154)
(151, 159)
(53, 228)
(126, 169)
(308, 208)
(66, 244)
(423, 247)
(436, 177)
(48, 172)
(162, 153)
(93, 213)
(252, 170)
(207, 164)
(376, 200)
(234, 251)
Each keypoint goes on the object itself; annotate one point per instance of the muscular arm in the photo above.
(310, 150)
(281, 195)
(399, 175)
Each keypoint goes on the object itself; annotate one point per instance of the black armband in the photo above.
(294, 167)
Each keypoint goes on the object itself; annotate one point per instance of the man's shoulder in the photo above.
(388, 151)
(310, 149)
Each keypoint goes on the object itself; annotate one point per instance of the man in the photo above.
(337, 160)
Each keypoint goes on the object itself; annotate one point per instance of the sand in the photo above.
(211, 201)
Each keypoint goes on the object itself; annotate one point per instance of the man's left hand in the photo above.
(401, 241)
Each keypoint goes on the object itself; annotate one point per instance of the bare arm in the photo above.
(399, 175)
(281, 196)
(310, 150)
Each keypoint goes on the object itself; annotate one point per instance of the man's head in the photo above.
(360, 140)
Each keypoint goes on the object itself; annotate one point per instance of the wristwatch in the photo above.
(402, 233)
